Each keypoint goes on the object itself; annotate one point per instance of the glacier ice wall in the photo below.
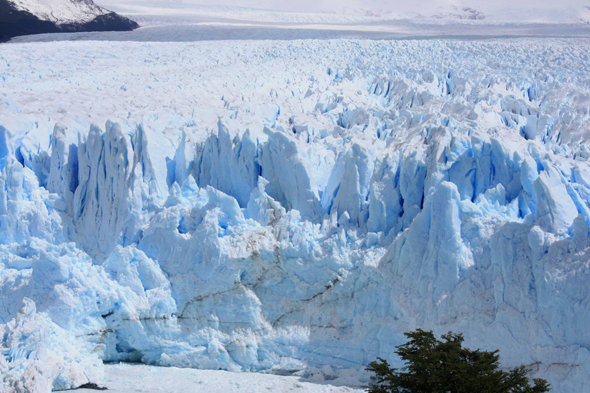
(302, 207)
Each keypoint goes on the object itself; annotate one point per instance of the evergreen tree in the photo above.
(435, 366)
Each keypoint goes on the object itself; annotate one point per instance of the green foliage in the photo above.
(435, 366)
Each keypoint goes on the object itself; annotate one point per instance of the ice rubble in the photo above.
(38, 355)
(285, 237)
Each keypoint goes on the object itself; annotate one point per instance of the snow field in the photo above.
(125, 378)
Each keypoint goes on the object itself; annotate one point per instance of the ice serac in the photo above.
(431, 252)
(290, 183)
(233, 163)
(229, 163)
(261, 207)
(305, 235)
(101, 200)
(555, 209)
(348, 187)
(385, 200)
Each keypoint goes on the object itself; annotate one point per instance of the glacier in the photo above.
(283, 207)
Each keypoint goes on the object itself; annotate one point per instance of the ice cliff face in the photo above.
(273, 220)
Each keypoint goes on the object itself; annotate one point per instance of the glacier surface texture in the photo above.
(292, 206)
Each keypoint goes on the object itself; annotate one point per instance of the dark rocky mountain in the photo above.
(18, 17)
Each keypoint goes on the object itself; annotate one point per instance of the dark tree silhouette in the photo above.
(435, 366)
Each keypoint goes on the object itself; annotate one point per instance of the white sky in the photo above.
(373, 5)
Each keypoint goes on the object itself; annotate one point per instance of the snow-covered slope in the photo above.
(61, 11)
(281, 207)
(24, 17)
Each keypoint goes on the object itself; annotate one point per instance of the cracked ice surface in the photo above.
(283, 207)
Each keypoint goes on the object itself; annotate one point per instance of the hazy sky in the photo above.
(387, 5)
